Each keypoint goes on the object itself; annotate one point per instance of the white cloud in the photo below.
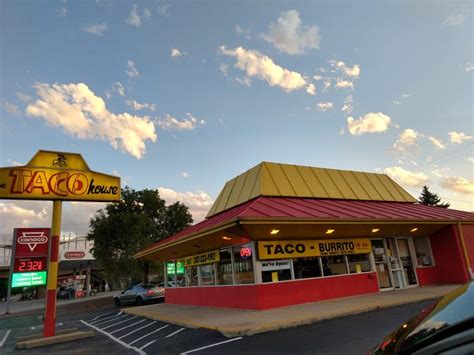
(199, 203)
(318, 77)
(459, 138)
(170, 123)
(327, 85)
(244, 81)
(256, 64)
(132, 70)
(79, 112)
(23, 97)
(175, 53)
(407, 177)
(311, 89)
(134, 18)
(244, 32)
(406, 139)
(25, 214)
(184, 174)
(62, 12)
(470, 159)
(97, 29)
(224, 68)
(454, 20)
(10, 108)
(146, 13)
(369, 123)
(437, 143)
(348, 104)
(344, 84)
(136, 106)
(118, 88)
(324, 106)
(353, 71)
(468, 67)
(288, 35)
(458, 184)
(15, 163)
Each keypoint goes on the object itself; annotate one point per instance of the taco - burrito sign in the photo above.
(57, 176)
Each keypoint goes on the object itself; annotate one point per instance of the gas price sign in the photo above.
(30, 257)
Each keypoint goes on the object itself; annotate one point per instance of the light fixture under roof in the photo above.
(274, 231)
(413, 229)
(375, 230)
(226, 237)
(330, 231)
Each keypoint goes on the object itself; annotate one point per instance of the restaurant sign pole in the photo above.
(57, 177)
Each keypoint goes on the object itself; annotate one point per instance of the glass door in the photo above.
(381, 264)
(395, 263)
(407, 262)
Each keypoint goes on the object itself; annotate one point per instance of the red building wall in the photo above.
(450, 265)
(274, 295)
(468, 232)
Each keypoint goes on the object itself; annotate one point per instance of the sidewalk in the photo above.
(25, 306)
(237, 322)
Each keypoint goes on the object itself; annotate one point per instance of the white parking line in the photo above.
(113, 325)
(108, 317)
(128, 326)
(136, 330)
(210, 346)
(113, 315)
(111, 320)
(5, 338)
(141, 352)
(144, 346)
(176, 332)
(157, 330)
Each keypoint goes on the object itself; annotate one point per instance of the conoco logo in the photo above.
(32, 239)
(74, 254)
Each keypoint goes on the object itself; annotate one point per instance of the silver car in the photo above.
(140, 294)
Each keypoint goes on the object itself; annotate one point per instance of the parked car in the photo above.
(446, 327)
(140, 294)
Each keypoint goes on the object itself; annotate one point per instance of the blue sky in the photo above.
(183, 96)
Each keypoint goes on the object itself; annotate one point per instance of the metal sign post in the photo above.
(49, 328)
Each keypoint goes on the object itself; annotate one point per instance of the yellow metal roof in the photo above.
(285, 180)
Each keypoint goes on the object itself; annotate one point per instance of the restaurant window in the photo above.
(423, 251)
(275, 270)
(334, 265)
(243, 264)
(305, 268)
(192, 278)
(224, 268)
(208, 276)
(359, 263)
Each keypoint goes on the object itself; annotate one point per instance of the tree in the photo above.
(123, 228)
(431, 199)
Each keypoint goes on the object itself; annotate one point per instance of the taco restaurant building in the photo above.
(282, 234)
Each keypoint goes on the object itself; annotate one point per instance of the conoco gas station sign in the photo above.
(57, 177)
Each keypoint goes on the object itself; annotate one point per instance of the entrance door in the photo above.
(381, 264)
(395, 263)
(407, 262)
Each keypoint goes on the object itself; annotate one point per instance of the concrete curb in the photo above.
(37, 336)
(57, 339)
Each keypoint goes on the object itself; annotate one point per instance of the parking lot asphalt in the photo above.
(118, 332)
(145, 335)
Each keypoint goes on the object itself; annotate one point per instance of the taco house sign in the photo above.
(57, 176)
